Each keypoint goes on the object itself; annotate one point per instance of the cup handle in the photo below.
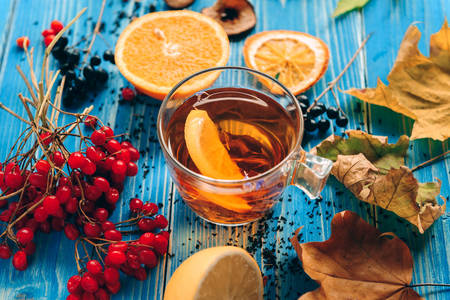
(310, 173)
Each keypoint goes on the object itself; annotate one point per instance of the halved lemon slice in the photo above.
(296, 59)
(219, 273)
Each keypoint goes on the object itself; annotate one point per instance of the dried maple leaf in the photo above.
(419, 86)
(373, 170)
(357, 262)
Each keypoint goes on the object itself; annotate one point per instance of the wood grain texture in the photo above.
(53, 262)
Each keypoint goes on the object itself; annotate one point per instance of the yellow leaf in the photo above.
(419, 86)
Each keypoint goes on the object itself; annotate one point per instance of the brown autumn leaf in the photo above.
(419, 86)
(373, 170)
(357, 262)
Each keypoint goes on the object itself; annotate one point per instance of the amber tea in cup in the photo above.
(259, 126)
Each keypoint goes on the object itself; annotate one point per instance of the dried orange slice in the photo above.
(205, 148)
(158, 50)
(296, 59)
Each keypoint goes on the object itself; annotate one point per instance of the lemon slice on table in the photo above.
(218, 273)
(296, 59)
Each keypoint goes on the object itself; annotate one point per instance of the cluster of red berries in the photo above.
(131, 257)
(48, 34)
(83, 199)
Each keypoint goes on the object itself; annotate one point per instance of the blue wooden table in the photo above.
(54, 263)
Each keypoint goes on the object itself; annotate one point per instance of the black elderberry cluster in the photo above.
(323, 124)
(80, 80)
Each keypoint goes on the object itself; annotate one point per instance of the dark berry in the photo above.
(316, 111)
(310, 125)
(70, 75)
(108, 55)
(323, 125)
(332, 112)
(101, 75)
(88, 73)
(62, 42)
(304, 107)
(73, 56)
(152, 8)
(65, 68)
(95, 60)
(342, 121)
(303, 99)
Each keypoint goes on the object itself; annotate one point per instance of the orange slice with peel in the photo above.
(205, 148)
(296, 59)
(211, 158)
(156, 51)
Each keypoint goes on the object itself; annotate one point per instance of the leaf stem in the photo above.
(332, 83)
(429, 284)
(430, 161)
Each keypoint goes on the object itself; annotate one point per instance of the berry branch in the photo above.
(45, 186)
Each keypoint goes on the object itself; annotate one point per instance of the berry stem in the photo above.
(96, 31)
(332, 83)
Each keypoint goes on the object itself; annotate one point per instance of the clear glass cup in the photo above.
(219, 201)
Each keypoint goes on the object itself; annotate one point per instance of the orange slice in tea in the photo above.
(211, 158)
(205, 148)
(156, 51)
(296, 59)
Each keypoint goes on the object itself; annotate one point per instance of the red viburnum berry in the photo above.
(19, 260)
(119, 246)
(117, 257)
(134, 154)
(150, 208)
(48, 40)
(63, 193)
(71, 231)
(76, 160)
(24, 236)
(90, 121)
(23, 42)
(47, 32)
(42, 166)
(108, 225)
(89, 283)
(92, 229)
(51, 204)
(136, 205)
(160, 244)
(101, 214)
(113, 235)
(112, 196)
(147, 238)
(74, 284)
(161, 221)
(140, 274)
(5, 252)
(102, 184)
(128, 94)
(58, 158)
(148, 258)
(98, 137)
(146, 225)
(56, 25)
(94, 267)
(113, 146)
(132, 169)
(102, 294)
(109, 132)
(46, 138)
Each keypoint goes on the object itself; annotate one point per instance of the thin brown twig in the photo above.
(96, 31)
(430, 161)
(332, 83)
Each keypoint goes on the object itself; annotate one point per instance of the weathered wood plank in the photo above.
(387, 19)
